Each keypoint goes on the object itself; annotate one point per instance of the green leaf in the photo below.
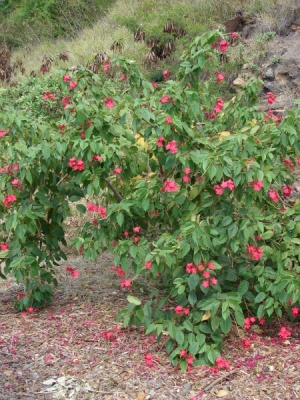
(192, 298)
(295, 240)
(243, 288)
(179, 337)
(194, 348)
(81, 208)
(239, 316)
(120, 218)
(260, 297)
(225, 325)
(134, 300)
(193, 280)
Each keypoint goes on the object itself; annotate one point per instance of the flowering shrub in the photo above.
(189, 190)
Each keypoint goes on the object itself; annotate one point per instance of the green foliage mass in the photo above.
(168, 174)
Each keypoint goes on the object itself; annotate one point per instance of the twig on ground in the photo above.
(216, 381)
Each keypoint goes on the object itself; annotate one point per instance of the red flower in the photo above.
(186, 179)
(73, 85)
(49, 95)
(169, 186)
(166, 74)
(4, 246)
(76, 165)
(160, 141)
(205, 283)
(223, 45)
(273, 194)
(66, 78)
(126, 283)
(120, 271)
(221, 363)
(220, 77)
(148, 264)
(256, 185)
(255, 252)
(284, 333)
(218, 189)
(9, 198)
(100, 210)
(271, 97)
(191, 268)
(109, 103)
(295, 310)
(168, 120)
(219, 105)
(246, 343)
(172, 147)
(234, 35)
(165, 99)
(117, 170)
(287, 190)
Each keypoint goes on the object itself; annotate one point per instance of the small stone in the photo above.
(269, 74)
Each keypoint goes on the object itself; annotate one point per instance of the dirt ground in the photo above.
(63, 351)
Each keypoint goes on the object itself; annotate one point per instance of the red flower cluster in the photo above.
(256, 185)
(222, 364)
(2, 132)
(223, 45)
(74, 273)
(288, 164)
(66, 100)
(100, 210)
(172, 147)
(76, 165)
(108, 102)
(295, 311)
(219, 105)
(188, 358)
(160, 142)
(179, 310)
(4, 246)
(284, 333)
(273, 194)
(66, 78)
(248, 322)
(287, 190)
(270, 115)
(220, 77)
(8, 169)
(168, 120)
(166, 74)
(49, 96)
(126, 283)
(219, 189)
(72, 85)
(271, 97)
(169, 186)
(9, 198)
(165, 99)
(255, 252)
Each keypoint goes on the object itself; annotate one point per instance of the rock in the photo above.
(239, 82)
(269, 74)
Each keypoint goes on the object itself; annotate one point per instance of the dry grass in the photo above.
(124, 17)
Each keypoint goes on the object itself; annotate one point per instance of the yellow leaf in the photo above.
(140, 396)
(135, 178)
(222, 393)
(256, 329)
(206, 315)
(224, 133)
(150, 174)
